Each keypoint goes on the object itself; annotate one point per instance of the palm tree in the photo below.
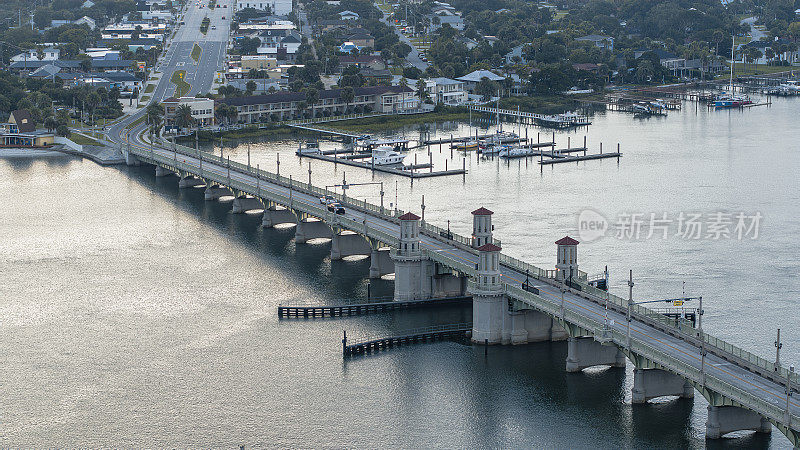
(183, 116)
(50, 123)
(347, 97)
(312, 97)
(154, 113)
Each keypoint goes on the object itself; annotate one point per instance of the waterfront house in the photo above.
(20, 131)
(472, 79)
(447, 91)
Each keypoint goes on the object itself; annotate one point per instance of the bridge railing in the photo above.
(682, 327)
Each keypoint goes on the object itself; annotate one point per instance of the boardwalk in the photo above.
(356, 309)
(368, 344)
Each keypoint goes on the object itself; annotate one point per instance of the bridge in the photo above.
(513, 302)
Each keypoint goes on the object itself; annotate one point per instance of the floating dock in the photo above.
(565, 159)
(420, 335)
(365, 308)
(409, 171)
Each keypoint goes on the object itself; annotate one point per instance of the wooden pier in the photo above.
(367, 344)
(355, 309)
(565, 159)
(409, 171)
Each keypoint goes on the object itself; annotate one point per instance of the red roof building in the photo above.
(566, 240)
(482, 212)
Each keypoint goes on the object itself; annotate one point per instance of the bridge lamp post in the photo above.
(789, 374)
(778, 347)
(382, 198)
(630, 306)
(562, 302)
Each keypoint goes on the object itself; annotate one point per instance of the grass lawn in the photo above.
(756, 69)
(196, 50)
(182, 86)
(82, 140)
(149, 88)
(741, 40)
(136, 122)
(559, 15)
(144, 98)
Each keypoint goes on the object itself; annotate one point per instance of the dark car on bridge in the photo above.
(336, 208)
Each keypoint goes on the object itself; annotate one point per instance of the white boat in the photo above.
(308, 148)
(385, 155)
(513, 151)
(491, 149)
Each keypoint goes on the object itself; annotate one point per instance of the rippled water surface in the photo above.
(133, 313)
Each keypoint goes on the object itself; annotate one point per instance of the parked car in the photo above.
(327, 199)
(213, 27)
(336, 208)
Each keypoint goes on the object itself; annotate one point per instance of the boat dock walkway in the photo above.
(565, 159)
(355, 309)
(409, 171)
(367, 344)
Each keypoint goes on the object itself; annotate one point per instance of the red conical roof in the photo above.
(489, 248)
(482, 212)
(409, 216)
(566, 240)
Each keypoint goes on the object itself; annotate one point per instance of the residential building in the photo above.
(361, 38)
(348, 15)
(283, 48)
(102, 53)
(20, 131)
(348, 47)
(87, 4)
(445, 90)
(443, 17)
(86, 20)
(328, 25)
(202, 111)
(48, 54)
(516, 54)
(373, 62)
(277, 7)
(472, 79)
(604, 42)
(285, 105)
(259, 62)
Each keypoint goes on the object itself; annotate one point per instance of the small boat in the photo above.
(385, 155)
(465, 146)
(514, 151)
(731, 101)
(490, 149)
(308, 148)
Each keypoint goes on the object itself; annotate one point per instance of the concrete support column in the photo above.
(380, 262)
(518, 334)
(162, 172)
(727, 419)
(541, 327)
(412, 277)
(489, 312)
(245, 203)
(190, 181)
(653, 383)
(348, 243)
(448, 285)
(275, 215)
(215, 192)
(585, 352)
(311, 229)
(130, 158)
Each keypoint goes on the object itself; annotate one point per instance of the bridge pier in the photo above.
(189, 181)
(585, 352)
(727, 419)
(445, 283)
(347, 243)
(489, 305)
(275, 215)
(523, 327)
(244, 203)
(130, 159)
(215, 192)
(163, 172)
(311, 228)
(380, 262)
(653, 383)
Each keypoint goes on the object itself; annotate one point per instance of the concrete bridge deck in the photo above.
(728, 376)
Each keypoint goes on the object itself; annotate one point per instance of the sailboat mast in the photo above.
(733, 61)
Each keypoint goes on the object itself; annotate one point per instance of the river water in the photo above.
(134, 313)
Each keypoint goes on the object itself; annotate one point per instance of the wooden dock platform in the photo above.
(565, 159)
(311, 312)
(409, 172)
(368, 344)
